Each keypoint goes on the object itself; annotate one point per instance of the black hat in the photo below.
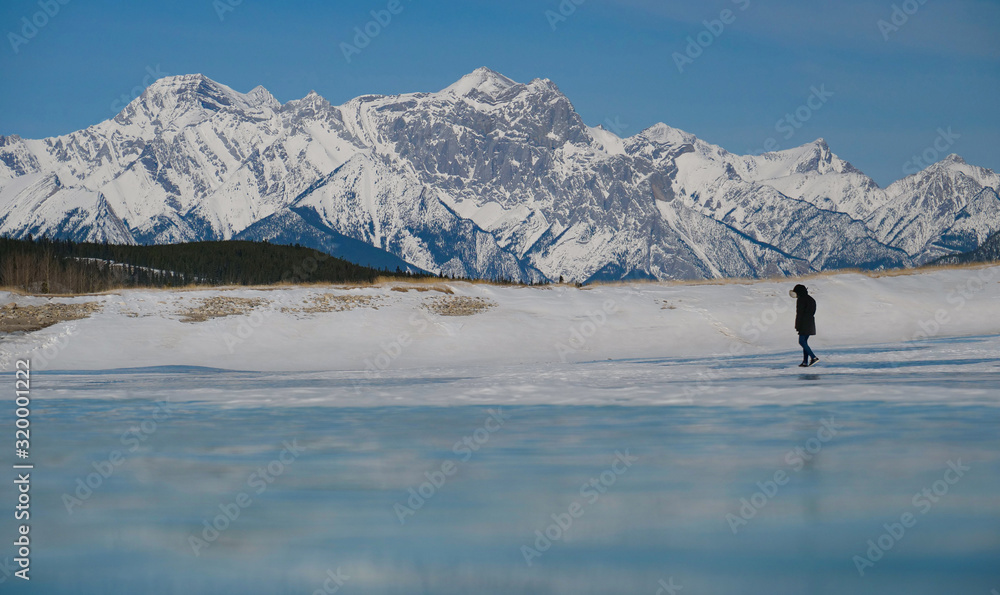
(800, 290)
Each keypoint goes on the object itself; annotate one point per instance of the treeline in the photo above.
(61, 266)
(988, 251)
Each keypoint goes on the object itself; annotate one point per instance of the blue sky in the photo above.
(889, 89)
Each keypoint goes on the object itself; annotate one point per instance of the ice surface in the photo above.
(709, 407)
(334, 506)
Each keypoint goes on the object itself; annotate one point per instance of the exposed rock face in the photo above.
(486, 178)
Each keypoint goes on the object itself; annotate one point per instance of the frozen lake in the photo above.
(743, 475)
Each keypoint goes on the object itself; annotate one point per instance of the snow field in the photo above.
(526, 325)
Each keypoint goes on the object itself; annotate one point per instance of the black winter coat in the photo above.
(805, 315)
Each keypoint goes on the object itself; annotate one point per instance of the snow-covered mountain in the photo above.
(485, 178)
(950, 207)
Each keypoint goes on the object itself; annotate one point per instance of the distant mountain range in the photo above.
(988, 251)
(486, 178)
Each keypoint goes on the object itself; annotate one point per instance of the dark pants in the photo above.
(806, 351)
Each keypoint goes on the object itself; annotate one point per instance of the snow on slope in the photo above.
(535, 177)
(537, 326)
(363, 200)
(813, 173)
(481, 81)
(724, 187)
(607, 141)
(159, 159)
(511, 169)
(83, 214)
(949, 207)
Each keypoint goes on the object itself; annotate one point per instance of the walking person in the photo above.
(805, 323)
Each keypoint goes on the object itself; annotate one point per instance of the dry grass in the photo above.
(27, 319)
(328, 302)
(436, 284)
(929, 268)
(221, 306)
(458, 305)
(422, 288)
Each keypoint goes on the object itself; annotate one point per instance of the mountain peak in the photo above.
(263, 97)
(192, 88)
(544, 84)
(482, 80)
(180, 81)
(490, 178)
(948, 166)
(664, 134)
(955, 167)
(312, 103)
(182, 100)
(820, 159)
